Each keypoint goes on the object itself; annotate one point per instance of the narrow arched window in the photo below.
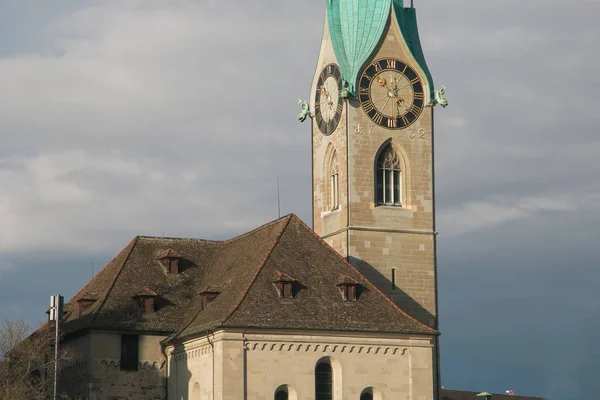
(370, 394)
(334, 173)
(323, 381)
(281, 395)
(196, 392)
(389, 178)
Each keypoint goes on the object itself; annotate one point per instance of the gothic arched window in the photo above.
(323, 381)
(334, 172)
(389, 178)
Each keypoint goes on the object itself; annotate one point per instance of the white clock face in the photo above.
(329, 99)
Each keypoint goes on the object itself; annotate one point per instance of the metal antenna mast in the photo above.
(278, 201)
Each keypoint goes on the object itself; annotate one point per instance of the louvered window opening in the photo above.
(323, 382)
(335, 187)
(286, 292)
(148, 304)
(350, 292)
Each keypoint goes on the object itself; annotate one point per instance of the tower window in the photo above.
(389, 178)
(335, 185)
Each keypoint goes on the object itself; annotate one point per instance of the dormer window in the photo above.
(285, 285)
(145, 299)
(348, 288)
(85, 302)
(170, 260)
(207, 298)
(209, 293)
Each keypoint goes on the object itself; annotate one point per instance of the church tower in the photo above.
(372, 102)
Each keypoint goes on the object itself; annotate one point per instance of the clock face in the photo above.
(391, 93)
(328, 99)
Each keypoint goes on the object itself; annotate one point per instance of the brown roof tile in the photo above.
(241, 270)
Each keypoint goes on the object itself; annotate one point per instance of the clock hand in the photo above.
(386, 103)
(384, 97)
(401, 102)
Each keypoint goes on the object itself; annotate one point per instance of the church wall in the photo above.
(253, 365)
(108, 382)
(74, 375)
(398, 368)
(191, 373)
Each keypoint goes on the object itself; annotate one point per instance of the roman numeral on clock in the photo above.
(368, 106)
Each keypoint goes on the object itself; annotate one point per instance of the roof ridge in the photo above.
(260, 268)
(257, 229)
(178, 238)
(112, 285)
(365, 278)
(82, 290)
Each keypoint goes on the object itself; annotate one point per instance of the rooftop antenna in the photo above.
(92, 270)
(278, 200)
(412, 4)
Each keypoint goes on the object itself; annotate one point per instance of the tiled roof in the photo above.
(465, 395)
(241, 270)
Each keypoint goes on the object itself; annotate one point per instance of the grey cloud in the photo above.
(179, 116)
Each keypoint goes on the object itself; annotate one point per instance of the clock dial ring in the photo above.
(391, 93)
(328, 99)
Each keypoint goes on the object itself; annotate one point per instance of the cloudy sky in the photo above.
(176, 117)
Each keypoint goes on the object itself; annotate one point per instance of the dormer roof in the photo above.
(283, 277)
(346, 280)
(168, 253)
(145, 292)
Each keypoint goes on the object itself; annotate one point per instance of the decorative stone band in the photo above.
(373, 229)
(141, 364)
(75, 364)
(194, 353)
(326, 348)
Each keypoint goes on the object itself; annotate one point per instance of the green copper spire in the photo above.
(407, 20)
(356, 26)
